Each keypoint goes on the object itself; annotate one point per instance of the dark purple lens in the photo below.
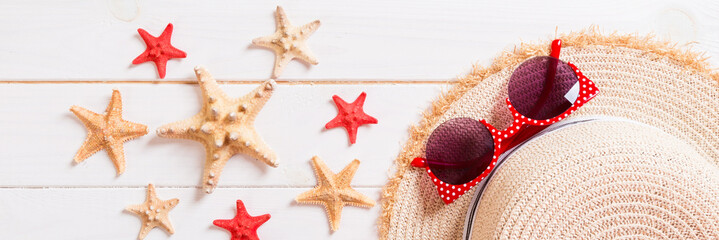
(459, 150)
(543, 87)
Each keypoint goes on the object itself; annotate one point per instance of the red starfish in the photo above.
(350, 116)
(243, 226)
(159, 49)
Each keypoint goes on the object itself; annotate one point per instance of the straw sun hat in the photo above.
(637, 161)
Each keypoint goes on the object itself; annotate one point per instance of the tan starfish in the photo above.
(288, 42)
(225, 126)
(334, 191)
(154, 212)
(107, 131)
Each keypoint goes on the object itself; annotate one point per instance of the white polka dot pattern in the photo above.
(520, 122)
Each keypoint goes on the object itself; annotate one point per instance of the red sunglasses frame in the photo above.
(521, 129)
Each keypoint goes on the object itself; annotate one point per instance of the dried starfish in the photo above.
(350, 116)
(107, 131)
(225, 126)
(334, 191)
(243, 226)
(154, 212)
(159, 49)
(288, 42)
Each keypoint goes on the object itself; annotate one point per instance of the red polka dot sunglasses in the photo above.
(543, 90)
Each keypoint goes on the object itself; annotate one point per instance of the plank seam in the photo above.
(175, 187)
(282, 82)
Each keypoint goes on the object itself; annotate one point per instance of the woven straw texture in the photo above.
(639, 79)
(602, 180)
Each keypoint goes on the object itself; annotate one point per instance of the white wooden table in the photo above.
(54, 54)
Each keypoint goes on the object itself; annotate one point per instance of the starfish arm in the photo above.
(342, 106)
(281, 20)
(224, 223)
(185, 129)
(325, 176)
(255, 223)
(257, 99)
(88, 148)
(267, 41)
(308, 197)
(259, 220)
(307, 29)
(131, 131)
(360, 100)
(114, 109)
(144, 57)
(161, 65)
(144, 231)
(136, 209)
(281, 60)
(352, 197)
(214, 163)
(171, 203)
(366, 119)
(150, 193)
(167, 225)
(334, 214)
(241, 211)
(208, 84)
(116, 152)
(166, 34)
(359, 104)
(92, 122)
(352, 132)
(304, 54)
(90, 119)
(335, 122)
(173, 52)
(146, 37)
(252, 145)
(344, 177)
(165, 220)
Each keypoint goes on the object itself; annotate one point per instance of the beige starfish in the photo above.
(334, 191)
(288, 42)
(107, 131)
(154, 212)
(225, 126)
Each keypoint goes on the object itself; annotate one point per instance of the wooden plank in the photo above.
(40, 135)
(417, 40)
(97, 213)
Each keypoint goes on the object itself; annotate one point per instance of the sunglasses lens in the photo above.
(459, 150)
(543, 87)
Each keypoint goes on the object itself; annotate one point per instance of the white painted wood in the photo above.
(44, 196)
(375, 39)
(90, 213)
(40, 135)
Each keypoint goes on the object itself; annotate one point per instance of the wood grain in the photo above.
(43, 135)
(374, 39)
(92, 213)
